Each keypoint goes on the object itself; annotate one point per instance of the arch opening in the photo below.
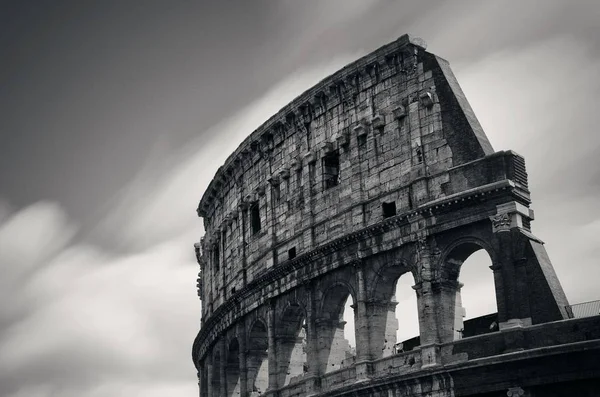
(394, 313)
(475, 308)
(233, 369)
(257, 359)
(336, 341)
(407, 315)
(291, 345)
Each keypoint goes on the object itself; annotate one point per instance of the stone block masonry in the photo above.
(379, 171)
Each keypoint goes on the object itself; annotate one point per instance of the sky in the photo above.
(114, 116)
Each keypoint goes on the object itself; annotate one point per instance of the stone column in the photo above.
(312, 353)
(255, 383)
(428, 309)
(288, 364)
(361, 318)
(382, 322)
(444, 292)
(272, 351)
(223, 369)
(209, 375)
(308, 176)
(514, 311)
(332, 345)
(241, 334)
(200, 382)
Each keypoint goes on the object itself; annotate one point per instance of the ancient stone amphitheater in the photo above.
(378, 172)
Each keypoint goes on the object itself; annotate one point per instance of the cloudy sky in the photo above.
(114, 115)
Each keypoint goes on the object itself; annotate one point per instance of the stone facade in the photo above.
(379, 171)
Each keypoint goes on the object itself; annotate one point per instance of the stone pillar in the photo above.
(256, 383)
(243, 225)
(309, 178)
(362, 329)
(444, 292)
(200, 382)
(208, 306)
(209, 375)
(332, 345)
(514, 311)
(324, 338)
(459, 314)
(381, 317)
(288, 355)
(241, 333)
(223, 369)
(428, 309)
(361, 318)
(312, 378)
(272, 351)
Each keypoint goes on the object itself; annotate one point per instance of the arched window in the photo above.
(233, 369)
(475, 309)
(336, 347)
(291, 347)
(257, 359)
(407, 315)
(255, 217)
(393, 312)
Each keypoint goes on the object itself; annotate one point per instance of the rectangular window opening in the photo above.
(255, 218)
(331, 170)
(389, 209)
(362, 140)
(292, 253)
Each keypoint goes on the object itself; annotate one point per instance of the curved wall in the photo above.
(379, 171)
(388, 119)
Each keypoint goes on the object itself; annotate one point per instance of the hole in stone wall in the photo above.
(255, 218)
(395, 321)
(292, 344)
(233, 369)
(276, 192)
(331, 170)
(257, 359)
(337, 338)
(388, 209)
(361, 140)
(476, 311)
(348, 318)
(292, 253)
(407, 314)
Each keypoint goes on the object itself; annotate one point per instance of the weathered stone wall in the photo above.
(382, 117)
(378, 172)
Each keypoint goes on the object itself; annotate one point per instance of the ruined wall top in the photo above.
(400, 56)
(382, 136)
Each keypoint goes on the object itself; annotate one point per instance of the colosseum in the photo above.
(379, 172)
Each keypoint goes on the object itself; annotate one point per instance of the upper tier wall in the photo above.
(384, 129)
